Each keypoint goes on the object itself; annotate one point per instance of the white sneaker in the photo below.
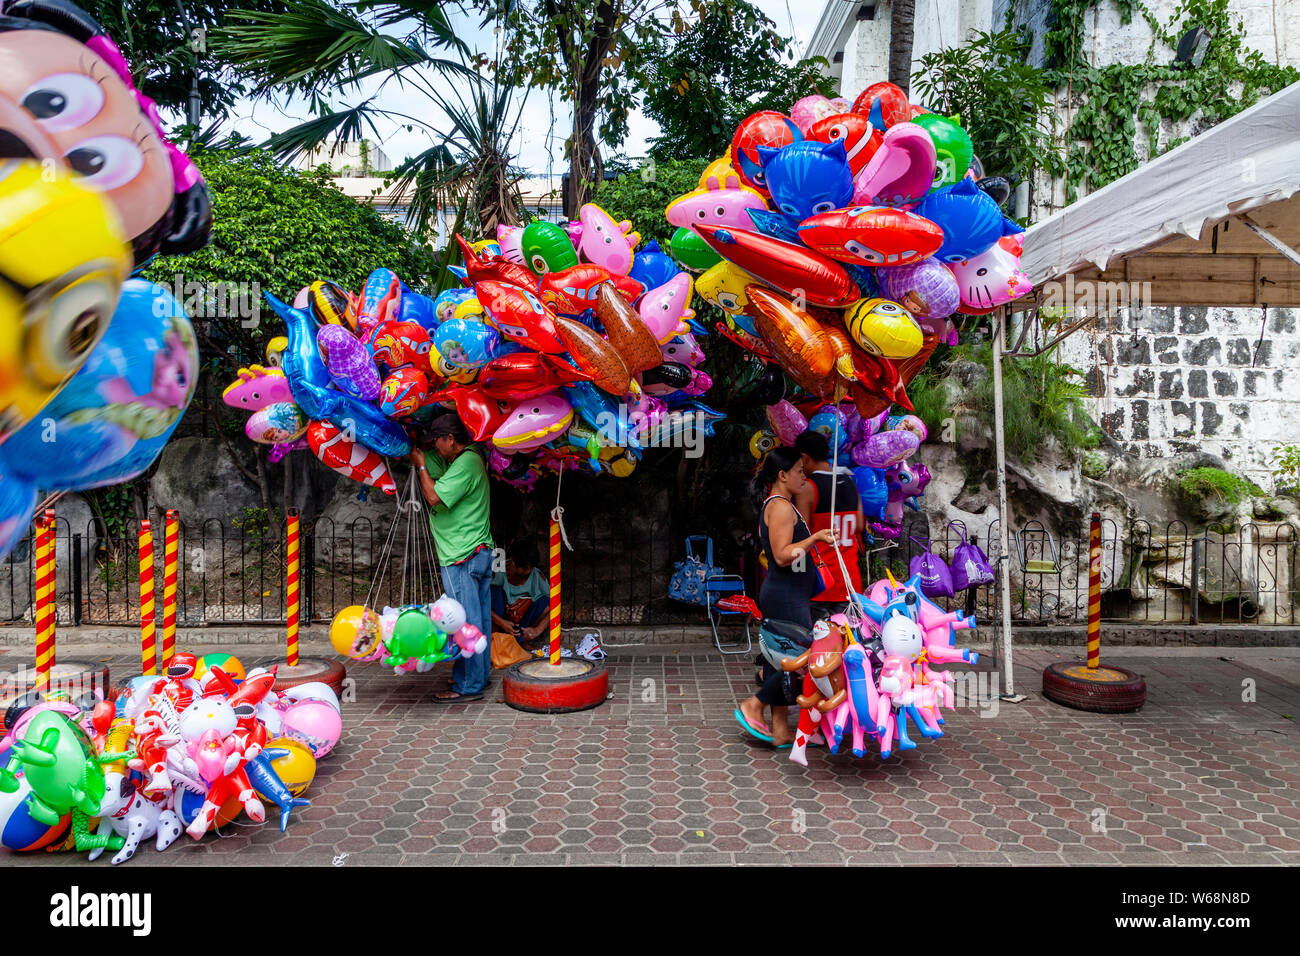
(590, 650)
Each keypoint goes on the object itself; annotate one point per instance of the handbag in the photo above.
(934, 577)
(687, 583)
(970, 565)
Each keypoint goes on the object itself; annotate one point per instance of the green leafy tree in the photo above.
(166, 44)
(1004, 103)
(727, 65)
(600, 54)
(322, 50)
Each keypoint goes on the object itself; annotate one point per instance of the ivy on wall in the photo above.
(1102, 139)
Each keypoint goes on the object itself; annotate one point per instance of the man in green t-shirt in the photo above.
(454, 482)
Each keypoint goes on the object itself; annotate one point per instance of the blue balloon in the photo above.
(807, 178)
(651, 266)
(873, 490)
(970, 219)
(17, 505)
(269, 786)
(775, 225)
(309, 381)
(599, 410)
(465, 343)
(112, 419)
(825, 422)
(419, 309)
(444, 304)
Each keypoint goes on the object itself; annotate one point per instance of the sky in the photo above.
(544, 120)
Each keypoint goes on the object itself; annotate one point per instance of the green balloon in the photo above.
(547, 248)
(60, 765)
(689, 248)
(952, 146)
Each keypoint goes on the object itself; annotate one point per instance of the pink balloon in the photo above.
(787, 421)
(315, 723)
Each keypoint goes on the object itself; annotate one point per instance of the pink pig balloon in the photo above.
(606, 242)
(665, 309)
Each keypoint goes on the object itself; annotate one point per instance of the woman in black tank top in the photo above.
(787, 589)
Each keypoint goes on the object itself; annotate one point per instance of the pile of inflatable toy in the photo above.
(186, 752)
(413, 637)
(566, 348)
(869, 681)
(841, 239)
(95, 370)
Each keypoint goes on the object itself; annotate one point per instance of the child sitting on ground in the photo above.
(520, 595)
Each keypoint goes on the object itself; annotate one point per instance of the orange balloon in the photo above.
(815, 355)
(594, 354)
(634, 343)
(908, 367)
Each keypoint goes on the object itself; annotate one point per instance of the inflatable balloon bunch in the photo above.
(566, 348)
(876, 448)
(185, 752)
(94, 374)
(410, 638)
(840, 239)
(872, 680)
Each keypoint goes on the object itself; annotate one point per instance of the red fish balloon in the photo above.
(872, 235)
(525, 374)
(346, 457)
(478, 268)
(860, 138)
(482, 415)
(573, 291)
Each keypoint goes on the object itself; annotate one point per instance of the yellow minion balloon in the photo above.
(884, 328)
(63, 259)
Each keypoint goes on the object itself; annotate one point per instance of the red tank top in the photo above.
(845, 525)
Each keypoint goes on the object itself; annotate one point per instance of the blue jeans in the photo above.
(469, 583)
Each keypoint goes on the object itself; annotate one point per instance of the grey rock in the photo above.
(197, 478)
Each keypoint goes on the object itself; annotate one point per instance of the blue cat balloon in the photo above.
(651, 266)
(807, 178)
(970, 219)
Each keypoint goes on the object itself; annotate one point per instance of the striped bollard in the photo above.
(291, 595)
(555, 590)
(148, 650)
(1094, 592)
(44, 599)
(171, 541)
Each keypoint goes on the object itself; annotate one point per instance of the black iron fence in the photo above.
(618, 573)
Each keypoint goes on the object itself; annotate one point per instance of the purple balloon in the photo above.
(349, 362)
(787, 422)
(927, 289)
(885, 448)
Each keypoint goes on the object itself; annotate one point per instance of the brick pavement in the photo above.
(661, 774)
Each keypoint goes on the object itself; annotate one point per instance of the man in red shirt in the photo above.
(815, 503)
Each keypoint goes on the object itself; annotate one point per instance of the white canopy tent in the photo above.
(1215, 222)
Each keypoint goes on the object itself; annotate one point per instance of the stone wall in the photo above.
(1195, 380)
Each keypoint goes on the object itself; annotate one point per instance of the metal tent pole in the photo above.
(1004, 559)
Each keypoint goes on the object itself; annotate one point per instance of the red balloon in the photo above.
(793, 269)
(892, 102)
(860, 138)
(482, 415)
(520, 316)
(347, 457)
(872, 235)
(478, 268)
(765, 128)
(572, 291)
(525, 374)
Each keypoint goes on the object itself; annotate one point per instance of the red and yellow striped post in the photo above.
(171, 541)
(148, 650)
(291, 595)
(555, 590)
(44, 599)
(1094, 592)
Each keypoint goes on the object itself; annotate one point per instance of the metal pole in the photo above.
(1004, 559)
(1196, 579)
(44, 616)
(76, 580)
(1094, 592)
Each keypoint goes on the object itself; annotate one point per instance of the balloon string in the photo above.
(856, 616)
(557, 513)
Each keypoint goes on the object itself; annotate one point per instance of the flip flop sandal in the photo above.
(458, 699)
(750, 728)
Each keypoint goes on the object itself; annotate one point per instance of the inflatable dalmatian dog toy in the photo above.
(133, 817)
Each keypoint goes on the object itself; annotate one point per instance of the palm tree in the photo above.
(902, 16)
(317, 49)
